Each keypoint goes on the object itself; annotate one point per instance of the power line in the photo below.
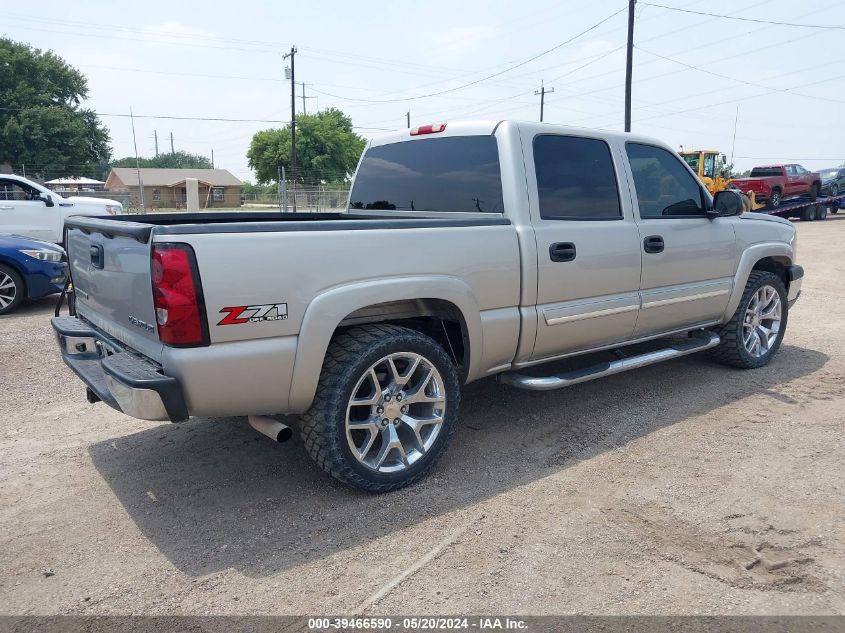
(742, 81)
(478, 81)
(734, 17)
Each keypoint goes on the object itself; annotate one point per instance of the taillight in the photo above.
(177, 295)
(428, 129)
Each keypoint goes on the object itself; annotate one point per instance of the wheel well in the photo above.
(775, 265)
(776, 188)
(10, 264)
(437, 318)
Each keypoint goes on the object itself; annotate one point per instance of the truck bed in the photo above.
(140, 227)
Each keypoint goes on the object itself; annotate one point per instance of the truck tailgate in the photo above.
(112, 285)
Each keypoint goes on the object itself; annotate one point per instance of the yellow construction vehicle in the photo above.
(707, 164)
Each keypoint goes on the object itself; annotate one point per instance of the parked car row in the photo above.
(29, 269)
(32, 210)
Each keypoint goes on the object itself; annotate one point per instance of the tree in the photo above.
(726, 171)
(42, 125)
(174, 160)
(327, 149)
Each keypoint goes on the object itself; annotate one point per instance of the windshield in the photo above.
(691, 160)
(451, 174)
(828, 173)
(764, 172)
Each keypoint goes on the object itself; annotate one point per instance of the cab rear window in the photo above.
(453, 174)
(765, 172)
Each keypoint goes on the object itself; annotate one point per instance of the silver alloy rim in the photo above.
(762, 321)
(396, 412)
(8, 290)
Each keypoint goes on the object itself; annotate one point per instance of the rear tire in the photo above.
(808, 214)
(821, 213)
(763, 299)
(814, 192)
(374, 420)
(12, 289)
(774, 200)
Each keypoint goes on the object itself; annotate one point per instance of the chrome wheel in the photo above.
(395, 413)
(761, 324)
(8, 290)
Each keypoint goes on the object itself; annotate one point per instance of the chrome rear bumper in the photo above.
(122, 380)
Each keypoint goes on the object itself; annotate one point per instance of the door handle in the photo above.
(96, 252)
(653, 244)
(562, 252)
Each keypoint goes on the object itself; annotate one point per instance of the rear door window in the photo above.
(575, 179)
(452, 174)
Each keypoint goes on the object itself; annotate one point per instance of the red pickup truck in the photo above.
(774, 183)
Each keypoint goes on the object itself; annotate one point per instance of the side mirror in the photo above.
(726, 203)
(46, 199)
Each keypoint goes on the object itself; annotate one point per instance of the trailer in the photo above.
(802, 207)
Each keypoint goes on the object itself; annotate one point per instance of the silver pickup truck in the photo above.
(467, 250)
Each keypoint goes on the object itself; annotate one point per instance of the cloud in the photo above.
(387, 169)
(462, 39)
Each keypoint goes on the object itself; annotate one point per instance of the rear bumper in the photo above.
(119, 378)
(794, 275)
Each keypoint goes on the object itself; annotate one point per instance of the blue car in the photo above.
(29, 269)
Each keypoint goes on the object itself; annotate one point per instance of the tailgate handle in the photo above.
(97, 256)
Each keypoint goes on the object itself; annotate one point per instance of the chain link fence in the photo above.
(309, 199)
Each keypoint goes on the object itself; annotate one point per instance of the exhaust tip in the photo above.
(271, 427)
(284, 434)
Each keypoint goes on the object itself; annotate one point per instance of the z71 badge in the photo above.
(236, 315)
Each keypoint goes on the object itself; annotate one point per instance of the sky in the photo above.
(758, 92)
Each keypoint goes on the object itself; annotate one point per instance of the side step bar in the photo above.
(557, 381)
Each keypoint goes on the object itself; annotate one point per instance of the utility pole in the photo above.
(155, 135)
(408, 118)
(283, 190)
(542, 92)
(292, 56)
(304, 98)
(212, 158)
(172, 151)
(629, 64)
(137, 162)
(733, 143)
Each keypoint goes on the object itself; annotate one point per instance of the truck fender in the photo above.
(749, 258)
(328, 309)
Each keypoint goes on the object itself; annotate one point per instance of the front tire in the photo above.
(12, 289)
(754, 333)
(385, 409)
(834, 190)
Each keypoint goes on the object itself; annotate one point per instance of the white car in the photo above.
(32, 210)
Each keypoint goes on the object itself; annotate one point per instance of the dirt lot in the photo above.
(685, 488)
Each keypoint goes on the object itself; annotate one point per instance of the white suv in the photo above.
(31, 210)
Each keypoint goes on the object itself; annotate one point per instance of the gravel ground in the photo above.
(682, 488)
